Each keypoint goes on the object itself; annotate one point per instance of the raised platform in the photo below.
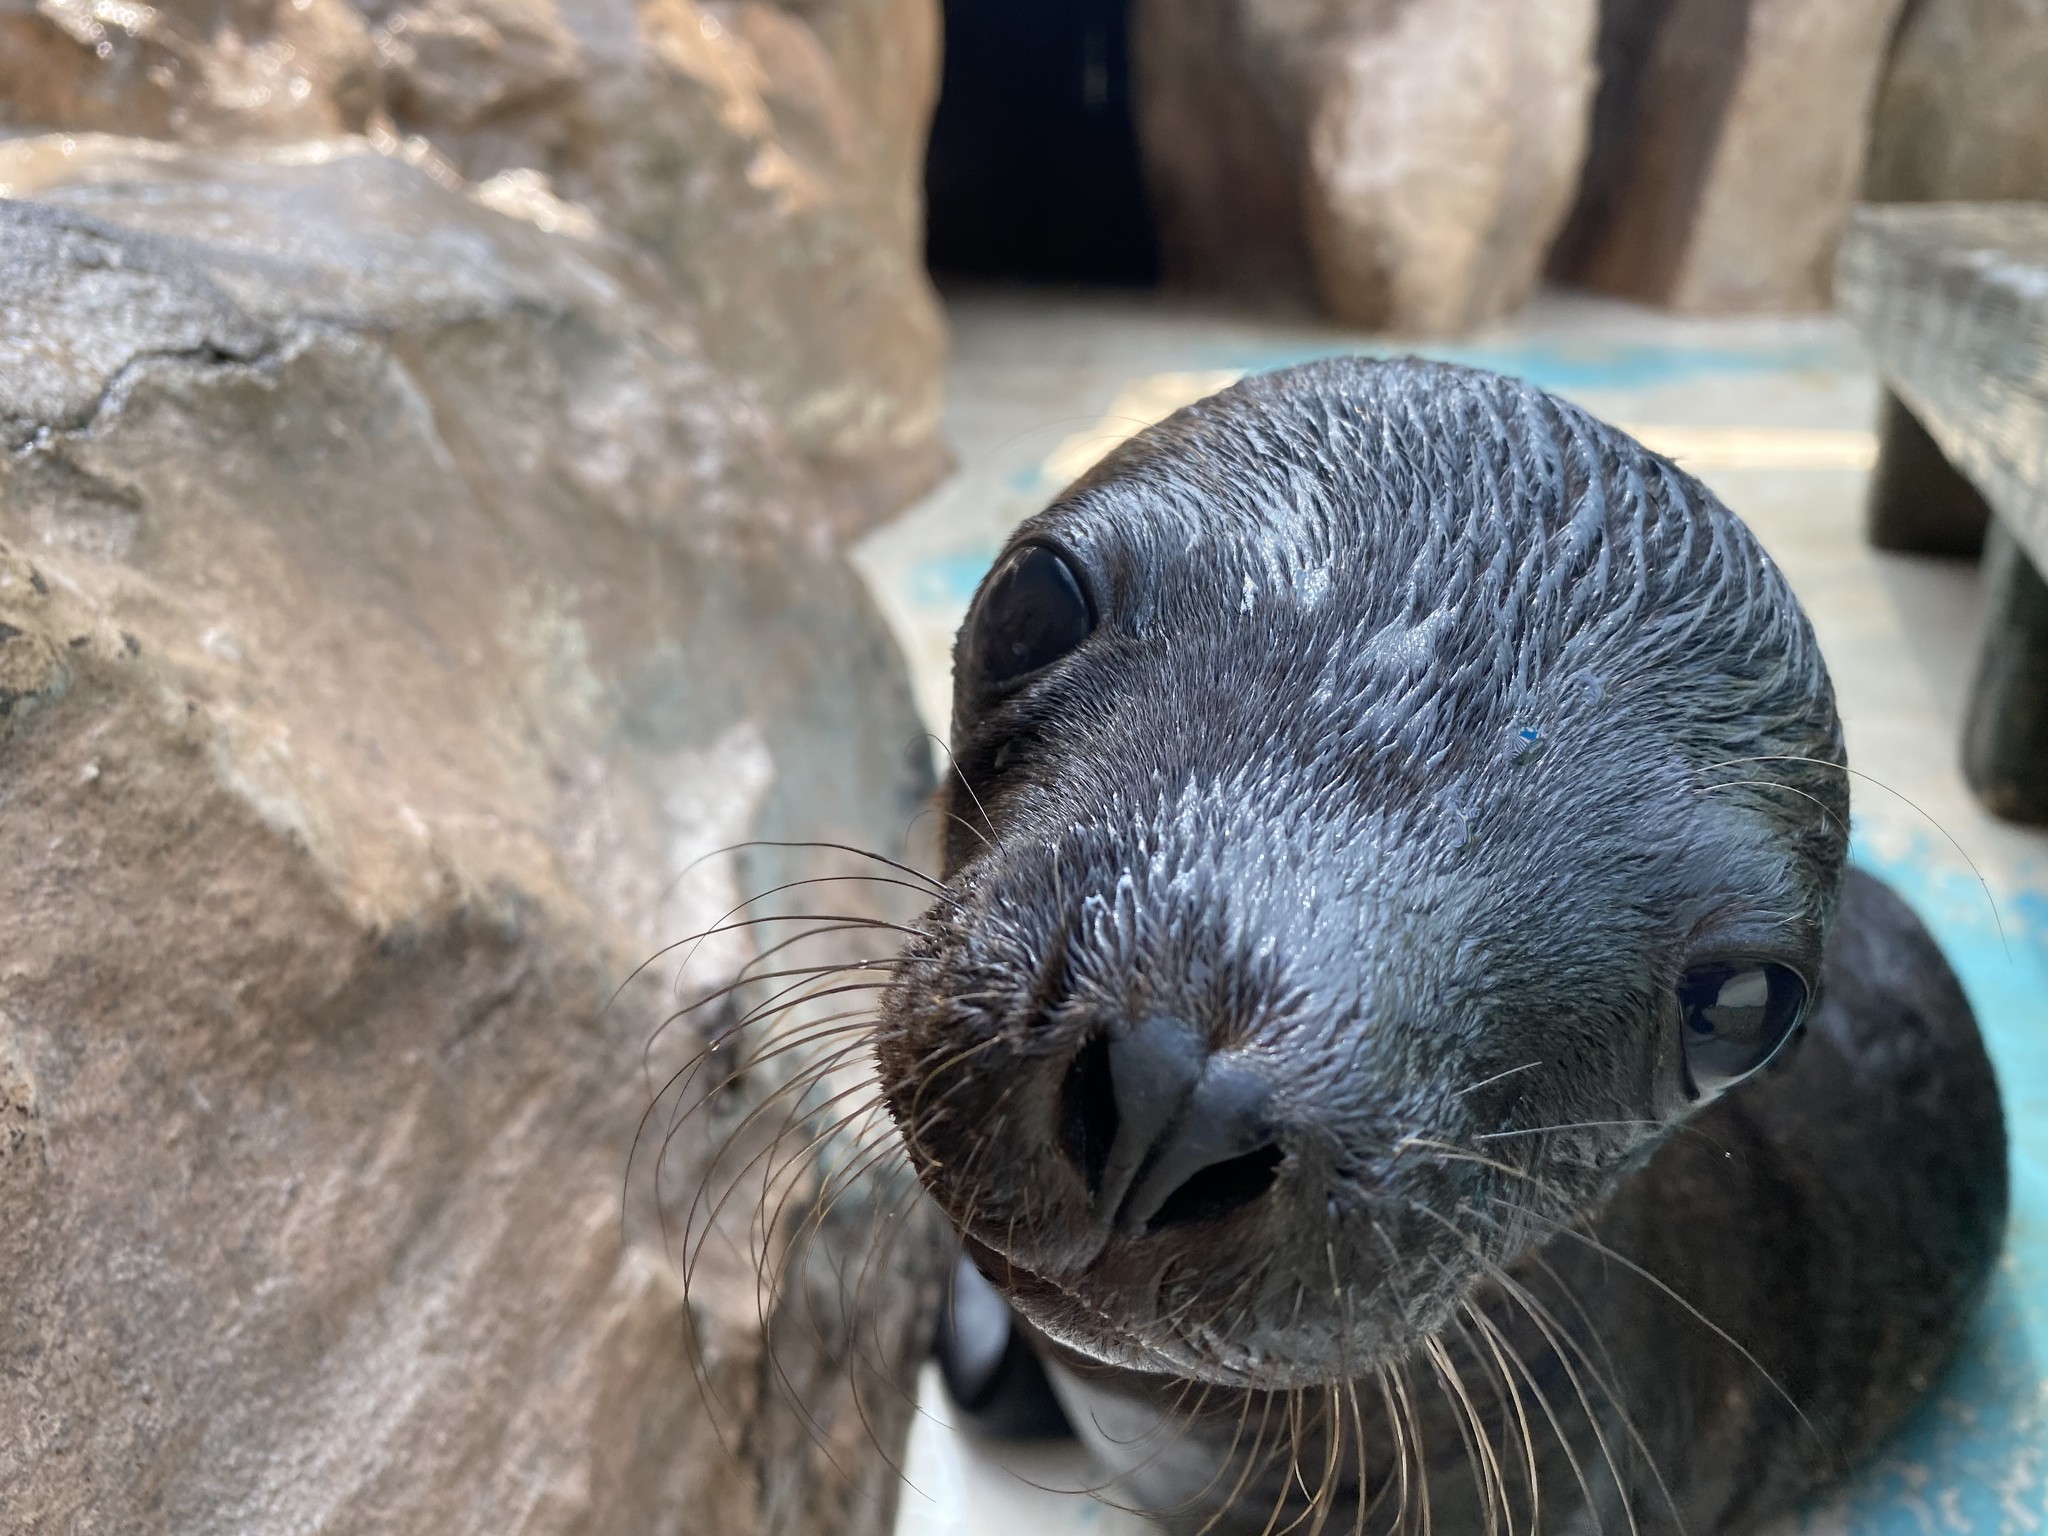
(1952, 299)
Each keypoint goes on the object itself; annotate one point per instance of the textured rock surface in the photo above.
(393, 610)
(768, 156)
(1963, 111)
(1444, 148)
(1729, 145)
(1411, 158)
(1220, 128)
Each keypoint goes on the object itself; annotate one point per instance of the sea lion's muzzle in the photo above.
(1160, 1072)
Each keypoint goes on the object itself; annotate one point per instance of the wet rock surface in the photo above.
(766, 157)
(396, 606)
(1407, 161)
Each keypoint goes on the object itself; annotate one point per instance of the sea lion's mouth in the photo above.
(1021, 1285)
(1068, 1315)
(1191, 1309)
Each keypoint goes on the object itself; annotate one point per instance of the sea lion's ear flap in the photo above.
(1032, 610)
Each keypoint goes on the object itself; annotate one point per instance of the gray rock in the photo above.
(1444, 149)
(394, 610)
(1410, 160)
(1962, 115)
(767, 157)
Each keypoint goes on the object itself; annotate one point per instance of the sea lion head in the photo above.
(1387, 802)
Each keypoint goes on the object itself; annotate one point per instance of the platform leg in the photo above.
(1920, 504)
(2005, 737)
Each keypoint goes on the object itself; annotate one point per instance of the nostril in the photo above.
(1218, 1152)
(1088, 1114)
(1162, 1132)
(1218, 1189)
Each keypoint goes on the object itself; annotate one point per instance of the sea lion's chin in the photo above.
(1282, 1331)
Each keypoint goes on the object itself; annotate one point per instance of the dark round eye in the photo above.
(1031, 613)
(1734, 1016)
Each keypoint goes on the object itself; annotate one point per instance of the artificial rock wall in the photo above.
(1407, 161)
(408, 584)
(1728, 145)
(1417, 165)
(1963, 112)
(765, 157)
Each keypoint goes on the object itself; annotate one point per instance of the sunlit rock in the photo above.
(767, 157)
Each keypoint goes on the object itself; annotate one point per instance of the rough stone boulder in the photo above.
(1408, 160)
(1728, 145)
(395, 611)
(1962, 115)
(768, 156)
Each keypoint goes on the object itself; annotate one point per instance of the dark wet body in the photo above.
(1314, 1035)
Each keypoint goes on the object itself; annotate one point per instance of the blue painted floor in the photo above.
(1775, 416)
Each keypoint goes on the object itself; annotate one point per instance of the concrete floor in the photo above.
(1775, 417)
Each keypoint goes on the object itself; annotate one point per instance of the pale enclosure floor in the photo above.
(1776, 416)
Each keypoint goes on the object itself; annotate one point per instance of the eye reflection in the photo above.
(1735, 1016)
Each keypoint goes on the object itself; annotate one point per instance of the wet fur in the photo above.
(1430, 728)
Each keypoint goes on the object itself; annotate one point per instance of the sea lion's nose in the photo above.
(1165, 1132)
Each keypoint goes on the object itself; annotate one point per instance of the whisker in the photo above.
(1404, 1451)
(697, 1214)
(718, 927)
(1560, 1338)
(1825, 809)
(1572, 1125)
(804, 1149)
(760, 1013)
(1555, 1338)
(1463, 1154)
(1486, 1469)
(935, 886)
(961, 779)
(1509, 1399)
(1488, 1082)
(795, 1091)
(1364, 1463)
(1549, 1411)
(1564, 1229)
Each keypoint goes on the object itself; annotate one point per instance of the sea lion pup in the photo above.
(1400, 1033)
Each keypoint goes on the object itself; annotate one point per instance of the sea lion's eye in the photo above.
(1032, 612)
(1734, 1016)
